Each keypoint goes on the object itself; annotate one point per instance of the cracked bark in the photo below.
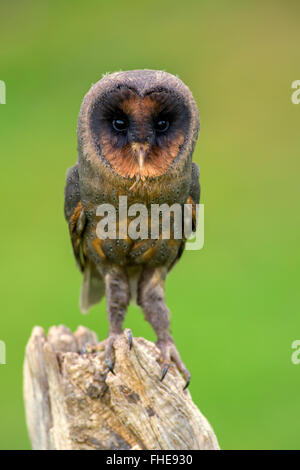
(73, 402)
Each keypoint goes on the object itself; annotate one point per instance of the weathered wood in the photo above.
(73, 402)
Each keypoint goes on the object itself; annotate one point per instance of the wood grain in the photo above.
(73, 402)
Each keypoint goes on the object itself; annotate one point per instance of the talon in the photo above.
(83, 350)
(187, 383)
(165, 370)
(170, 353)
(110, 366)
(129, 333)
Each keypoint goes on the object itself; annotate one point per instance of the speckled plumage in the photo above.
(107, 168)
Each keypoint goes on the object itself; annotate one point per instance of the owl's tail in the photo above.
(92, 289)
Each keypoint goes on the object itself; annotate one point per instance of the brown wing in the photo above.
(193, 199)
(92, 285)
(74, 214)
(195, 191)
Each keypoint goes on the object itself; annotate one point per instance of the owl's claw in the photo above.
(110, 366)
(187, 383)
(109, 354)
(169, 353)
(129, 334)
(109, 349)
(164, 372)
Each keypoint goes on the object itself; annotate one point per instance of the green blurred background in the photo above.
(235, 303)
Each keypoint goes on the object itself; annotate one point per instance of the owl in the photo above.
(136, 136)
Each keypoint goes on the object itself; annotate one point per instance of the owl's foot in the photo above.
(109, 348)
(169, 352)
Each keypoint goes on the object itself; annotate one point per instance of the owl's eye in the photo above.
(161, 125)
(120, 125)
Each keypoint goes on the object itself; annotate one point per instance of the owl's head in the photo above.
(140, 122)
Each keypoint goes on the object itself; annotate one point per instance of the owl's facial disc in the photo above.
(140, 136)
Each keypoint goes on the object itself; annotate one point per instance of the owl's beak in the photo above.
(140, 151)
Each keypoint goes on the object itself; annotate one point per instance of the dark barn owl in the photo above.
(136, 135)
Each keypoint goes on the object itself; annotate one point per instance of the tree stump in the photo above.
(72, 401)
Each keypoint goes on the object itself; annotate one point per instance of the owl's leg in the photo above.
(151, 297)
(117, 299)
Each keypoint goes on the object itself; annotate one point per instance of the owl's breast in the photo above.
(137, 234)
(99, 184)
(129, 253)
(132, 208)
